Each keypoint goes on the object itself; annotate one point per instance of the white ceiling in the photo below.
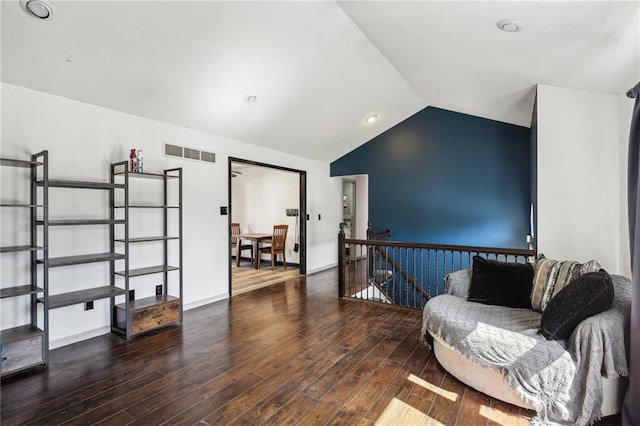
(318, 68)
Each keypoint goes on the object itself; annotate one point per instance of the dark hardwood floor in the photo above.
(291, 353)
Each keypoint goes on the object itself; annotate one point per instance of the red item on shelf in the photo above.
(134, 161)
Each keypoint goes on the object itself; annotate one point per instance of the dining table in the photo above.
(256, 238)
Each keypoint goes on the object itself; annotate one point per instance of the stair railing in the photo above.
(405, 274)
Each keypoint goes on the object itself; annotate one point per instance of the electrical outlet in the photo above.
(132, 295)
(88, 305)
(158, 290)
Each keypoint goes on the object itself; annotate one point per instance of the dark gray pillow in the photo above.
(501, 283)
(585, 296)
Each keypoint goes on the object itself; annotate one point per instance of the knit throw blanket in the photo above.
(562, 379)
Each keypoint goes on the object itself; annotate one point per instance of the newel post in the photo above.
(341, 260)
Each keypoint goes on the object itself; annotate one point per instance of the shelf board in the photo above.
(57, 183)
(147, 175)
(84, 258)
(148, 301)
(19, 248)
(70, 222)
(145, 239)
(147, 271)
(27, 164)
(20, 333)
(21, 290)
(75, 297)
(148, 207)
(20, 205)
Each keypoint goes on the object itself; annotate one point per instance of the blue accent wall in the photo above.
(449, 178)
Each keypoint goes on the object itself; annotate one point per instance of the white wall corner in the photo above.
(579, 182)
(626, 110)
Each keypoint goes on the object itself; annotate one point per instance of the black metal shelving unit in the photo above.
(135, 316)
(27, 345)
(54, 301)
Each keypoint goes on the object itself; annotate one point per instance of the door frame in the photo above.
(302, 210)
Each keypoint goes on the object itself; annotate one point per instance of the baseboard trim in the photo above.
(322, 268)
(206, 301)
(68, 340)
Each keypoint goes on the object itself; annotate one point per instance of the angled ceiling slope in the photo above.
(455, 58)
(318, 69)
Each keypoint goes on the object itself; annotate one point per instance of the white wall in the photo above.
(626, 110)
(579, 176)
(84, 139)
(260, 199)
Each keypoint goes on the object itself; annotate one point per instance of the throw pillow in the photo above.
(458, 283)
(587, 295)
(501, 283)
(552, 275)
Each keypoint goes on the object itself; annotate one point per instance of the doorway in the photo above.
(355, 205)
(349, 207)
(260, 196)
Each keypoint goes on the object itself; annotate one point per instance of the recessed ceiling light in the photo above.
(510, 26)
(40, 9)
(250, 99)
(370, 119)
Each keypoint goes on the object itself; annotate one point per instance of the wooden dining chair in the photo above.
(237, 243)
(277, 241)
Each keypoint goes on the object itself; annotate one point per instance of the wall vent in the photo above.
(207, 156)
(171, 150)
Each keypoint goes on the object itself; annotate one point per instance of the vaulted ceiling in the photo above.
(317, 68)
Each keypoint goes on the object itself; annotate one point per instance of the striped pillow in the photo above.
(551, 276)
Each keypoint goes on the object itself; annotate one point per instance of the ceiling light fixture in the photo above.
(370, 119)
(250, 99)
(40, 9)
(510, 26)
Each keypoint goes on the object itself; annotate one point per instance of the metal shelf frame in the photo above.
(38, 164)
(120, 171)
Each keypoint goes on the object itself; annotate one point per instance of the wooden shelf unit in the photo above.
(21, 290)
(82, 258)
(136, 316)
(26, 346)
(81, 296)
(84, 293)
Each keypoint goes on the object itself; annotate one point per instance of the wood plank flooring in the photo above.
(247, 278)
(290, 353)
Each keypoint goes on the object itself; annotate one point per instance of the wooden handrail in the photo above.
(377, 235)
(446, 247)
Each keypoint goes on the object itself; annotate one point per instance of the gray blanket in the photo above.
(561, 379)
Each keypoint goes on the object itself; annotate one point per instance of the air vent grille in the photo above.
(193, 154)
(207, 156)
(172, 150)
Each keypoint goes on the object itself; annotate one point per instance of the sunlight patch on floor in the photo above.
(498, 416)
(399, 412)
(452, 396)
